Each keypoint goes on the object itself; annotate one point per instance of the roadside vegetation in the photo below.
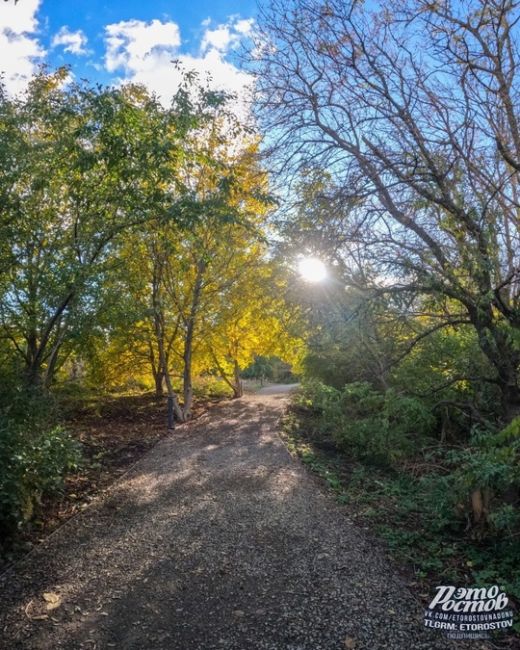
(419, 502)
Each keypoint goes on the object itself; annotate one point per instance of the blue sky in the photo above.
(125, 40)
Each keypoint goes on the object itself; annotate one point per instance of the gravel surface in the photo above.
(216, 539)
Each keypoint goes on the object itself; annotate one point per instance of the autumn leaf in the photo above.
(53, 600)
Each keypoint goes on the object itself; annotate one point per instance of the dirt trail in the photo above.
(216, 539)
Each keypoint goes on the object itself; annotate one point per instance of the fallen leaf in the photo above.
(53, 600)
(51, 597)
(350, 642)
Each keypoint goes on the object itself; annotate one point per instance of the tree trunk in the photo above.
(163, 361)
(480, 500)
(223, 375)
(52, 359)
(157, 371)
(188, 341)
(158, 377)
(33, 374)
(178, 412)
(238, 389)
(187, 383)
(50, 371)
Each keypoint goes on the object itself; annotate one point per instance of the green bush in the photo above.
(434, 363)
(491, 464)
(208, 386)
(452, 510)
(374, 426)
(322, 399)
(33, 462)
(382, 427)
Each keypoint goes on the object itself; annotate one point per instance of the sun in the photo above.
(312, 269)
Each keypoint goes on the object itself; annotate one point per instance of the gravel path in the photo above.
(216, 539)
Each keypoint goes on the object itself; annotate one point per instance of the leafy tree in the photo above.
(89, 164)
(197, 297)
(253, 321)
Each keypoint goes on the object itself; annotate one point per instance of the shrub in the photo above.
(317, 396)
(487, 478)
(33, 462)
(208, 386)
(378, 427)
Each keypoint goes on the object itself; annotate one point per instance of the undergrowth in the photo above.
(413, 506)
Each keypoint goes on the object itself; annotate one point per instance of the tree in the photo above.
(423, 141)
(88, 163)
(206, 299)
(180, 272)
(205, 267)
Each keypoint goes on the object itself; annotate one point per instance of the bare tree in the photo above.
(412, 109)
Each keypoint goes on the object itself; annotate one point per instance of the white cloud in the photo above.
(144, 53)
(219, 38)
(19, 17)
(226, 36)
(134, 45)
(19, 44)
(73, 42)
(245, 27)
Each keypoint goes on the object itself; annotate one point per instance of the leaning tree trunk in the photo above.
(238, 388)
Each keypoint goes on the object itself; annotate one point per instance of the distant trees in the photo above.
(271, 368)
(412, 110)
